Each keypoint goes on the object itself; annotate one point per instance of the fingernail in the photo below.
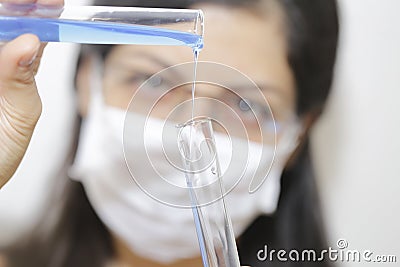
(26, 62)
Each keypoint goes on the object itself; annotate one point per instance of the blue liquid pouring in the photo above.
(90, 32)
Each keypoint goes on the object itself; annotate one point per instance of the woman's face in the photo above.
(240, 38)
(237, 37)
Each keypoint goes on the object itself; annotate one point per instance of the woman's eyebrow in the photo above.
(155, 59)
(129, 61)
(273, 89)
(263, 87)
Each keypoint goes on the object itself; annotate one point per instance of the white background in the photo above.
(356, 144)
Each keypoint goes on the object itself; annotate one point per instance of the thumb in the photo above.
(20, 104)
(17, 82)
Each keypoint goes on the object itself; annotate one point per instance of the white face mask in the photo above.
(150, 228)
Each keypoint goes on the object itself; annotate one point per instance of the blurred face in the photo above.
(252, 43)
(242, 39)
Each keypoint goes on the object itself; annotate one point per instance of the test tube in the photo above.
(203, 178)
(103, 25)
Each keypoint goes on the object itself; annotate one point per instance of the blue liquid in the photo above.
(88, 32)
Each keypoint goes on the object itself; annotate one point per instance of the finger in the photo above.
(18, 2)
(54, 3)
(51, 2)
(41, 2)
(17, 81)
(20, 102)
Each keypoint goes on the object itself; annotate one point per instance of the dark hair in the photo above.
(80, 238)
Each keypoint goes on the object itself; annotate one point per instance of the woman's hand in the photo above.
(20, 104)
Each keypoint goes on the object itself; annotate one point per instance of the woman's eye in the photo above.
(149, 81)
(253, 110)
(244, 105)
(138, 79)
(246, 109)
(155, 81)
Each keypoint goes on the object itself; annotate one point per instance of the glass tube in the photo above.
(203, 177)
(103, 25)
